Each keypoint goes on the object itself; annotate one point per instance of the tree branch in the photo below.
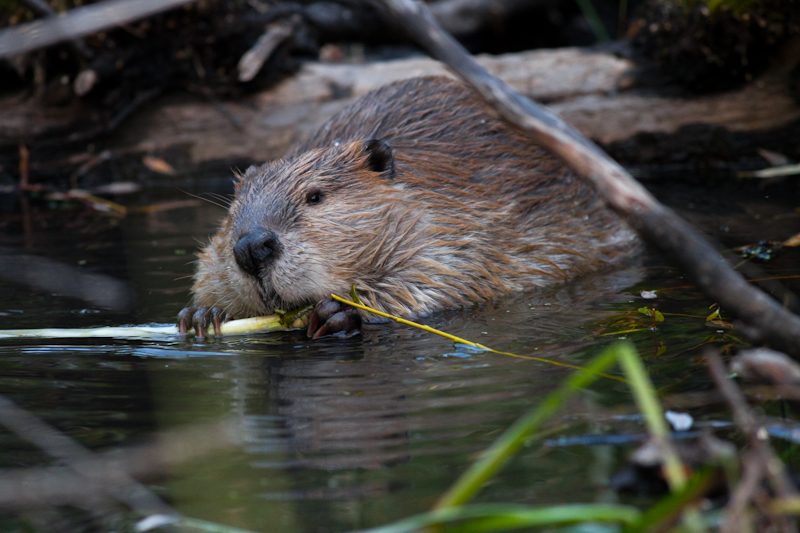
(762, 317)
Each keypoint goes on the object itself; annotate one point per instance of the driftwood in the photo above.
(762, 318)
(78, 22)
(597, 92)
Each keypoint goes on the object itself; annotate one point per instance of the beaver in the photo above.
(416, 195)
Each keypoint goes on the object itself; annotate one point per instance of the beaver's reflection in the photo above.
(395, 393)
(363, 408)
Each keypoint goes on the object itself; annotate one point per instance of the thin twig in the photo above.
(251, 62)
(763, 318)
(742, 495)
(752, 428)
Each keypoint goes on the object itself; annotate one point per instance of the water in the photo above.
(344, 434)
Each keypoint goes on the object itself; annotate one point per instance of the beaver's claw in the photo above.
(330, 317)
(200, 318)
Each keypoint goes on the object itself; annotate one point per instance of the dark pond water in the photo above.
(343, 434)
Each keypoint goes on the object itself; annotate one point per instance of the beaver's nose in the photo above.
(256, 249)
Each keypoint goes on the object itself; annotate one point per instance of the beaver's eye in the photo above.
(314, 197)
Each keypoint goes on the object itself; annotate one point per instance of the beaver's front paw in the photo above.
(330, 317)
(200, 318)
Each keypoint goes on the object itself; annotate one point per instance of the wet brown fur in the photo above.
(473, 211)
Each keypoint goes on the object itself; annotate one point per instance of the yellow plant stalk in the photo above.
(459, 340)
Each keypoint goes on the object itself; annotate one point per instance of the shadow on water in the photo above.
(338, 434)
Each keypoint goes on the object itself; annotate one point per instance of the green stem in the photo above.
(646, 400)
(512, 439)
(499, 517)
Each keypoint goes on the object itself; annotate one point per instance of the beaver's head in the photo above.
(302, 228)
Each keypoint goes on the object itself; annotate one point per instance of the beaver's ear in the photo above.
(240, 177)
(379, 157)
(250, 173)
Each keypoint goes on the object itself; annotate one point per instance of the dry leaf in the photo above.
(156, 164)
(792, 241)
(774, 158)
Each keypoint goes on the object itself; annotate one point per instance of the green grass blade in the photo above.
(647, 401)
(594, 20)
(499, 517)
(510, 441)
